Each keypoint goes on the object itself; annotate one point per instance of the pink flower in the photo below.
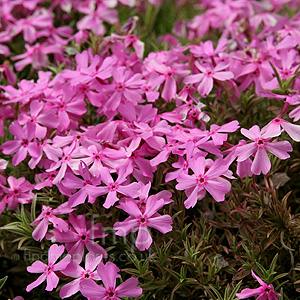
(48, 216)
(74, 270)
(84, 185)
(126, 86)
(205, 79)
(36, 55)
(274, 129)
(108, 275)
(261, 162)
(20, 191)
(81, 233)
(265, 292)
(142, 218)
(113, 187)
(48, 271)
(206, 177)
(22, 144)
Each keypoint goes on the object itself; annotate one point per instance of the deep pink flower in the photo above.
(126, 87)
(108, 275)
(85, 185)
(265, 292)
(23, 143)
(48, 271)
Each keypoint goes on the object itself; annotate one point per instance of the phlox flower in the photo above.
(40, 117)
(74, 270)
(19, 191)
(274, 129)
(48, 216)
(48, 271)
(108, 274)
(81, 233)
(6, 112)
(261, 162)
(142, 218)
(112, 188)
(85, 185)
(206, 177)
(264, 292)
(27, 91)
(205, 79)
(36, 55)
(8, 74)
(167, 75)
(126, 87)
(95, 16)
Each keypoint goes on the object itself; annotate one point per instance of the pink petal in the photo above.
(91, 289)
(36, 283)
(70, 289)
(37, 267)
(144, 239)
(108, 274)
(280, 149)
(40, 231)
(161, 223)
(54, 253)
(125, 227)
(217, 188)
(169, 89)
(111, 199)
(92, 261)
(246, 293)
(205, 86)
(261, 162)
(52, 281)
(129, 288)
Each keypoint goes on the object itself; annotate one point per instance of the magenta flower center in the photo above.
(121, 86)
(260, 143)
(113, 186)
(49, 269)
(143, 220)
(25, 143)
(200, 180)
(111, 293)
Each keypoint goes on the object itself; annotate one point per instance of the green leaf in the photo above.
(2, 281)
(216, 292)
(235, 290)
